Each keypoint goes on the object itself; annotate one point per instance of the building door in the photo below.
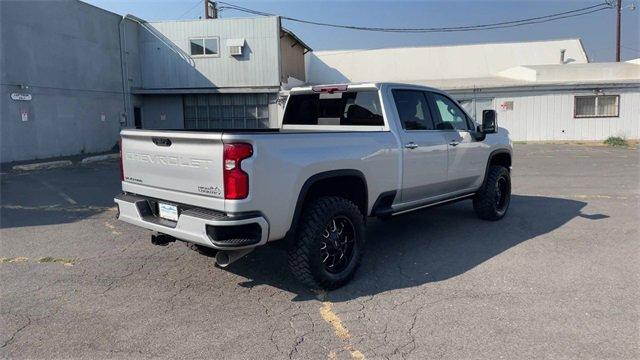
(137, 117)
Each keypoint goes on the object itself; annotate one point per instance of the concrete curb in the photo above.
(43, 165)
(92, 159)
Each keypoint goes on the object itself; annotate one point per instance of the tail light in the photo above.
(121, 160)
(236, 181)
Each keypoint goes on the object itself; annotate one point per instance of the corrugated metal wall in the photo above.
(166, 63)
(549, 116)
(292, 57)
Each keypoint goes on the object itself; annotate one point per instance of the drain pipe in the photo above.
(126, 88)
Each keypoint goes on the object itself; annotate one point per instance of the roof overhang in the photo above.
(231, 90)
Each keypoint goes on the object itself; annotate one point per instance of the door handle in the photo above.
(454, 143)
(411, 145)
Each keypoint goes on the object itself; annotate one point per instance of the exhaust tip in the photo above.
(225, 258)
(222, 259)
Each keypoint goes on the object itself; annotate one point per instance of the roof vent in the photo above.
(235, 46)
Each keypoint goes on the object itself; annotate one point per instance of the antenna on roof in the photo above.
(210, 9)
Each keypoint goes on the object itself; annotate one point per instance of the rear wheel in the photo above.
(329, 245)
(492, 200)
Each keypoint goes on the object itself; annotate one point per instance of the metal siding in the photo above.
(166, 63)
(73, 74)
(292, 58)
(543, 117)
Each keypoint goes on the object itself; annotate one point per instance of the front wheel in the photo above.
(492, 200)
(329, 245)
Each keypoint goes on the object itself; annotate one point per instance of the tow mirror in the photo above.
(489, 125)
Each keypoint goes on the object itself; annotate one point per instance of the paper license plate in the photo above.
(168, 211)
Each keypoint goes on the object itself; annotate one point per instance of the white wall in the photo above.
(436, 62)
(549, 116)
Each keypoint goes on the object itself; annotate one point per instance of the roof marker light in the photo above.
(329, 88)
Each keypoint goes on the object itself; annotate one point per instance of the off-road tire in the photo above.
(305, 260)
(485, 203)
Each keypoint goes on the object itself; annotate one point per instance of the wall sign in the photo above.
(506, 106)
(21, 96)
(24, 114)
(163, 116)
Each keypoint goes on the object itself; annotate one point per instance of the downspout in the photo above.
(126, 88)
(123, 69)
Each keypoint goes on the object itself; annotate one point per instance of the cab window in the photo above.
(413, 110)
(451, 116)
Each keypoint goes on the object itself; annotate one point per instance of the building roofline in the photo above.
(218, 19)
(97, 7)
(297, 39)
(584, 51)
(343, 51)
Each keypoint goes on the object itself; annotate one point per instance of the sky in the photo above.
(596, 30)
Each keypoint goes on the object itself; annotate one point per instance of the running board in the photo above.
(437, 203)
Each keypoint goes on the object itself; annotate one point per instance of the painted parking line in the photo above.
(330, 317)
(61, 193)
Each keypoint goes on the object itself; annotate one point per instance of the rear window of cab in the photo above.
(349, 108)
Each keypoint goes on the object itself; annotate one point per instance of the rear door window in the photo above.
(351, 108)
(413, 110)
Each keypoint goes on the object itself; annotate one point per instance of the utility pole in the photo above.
(210, 9)
(618, 11)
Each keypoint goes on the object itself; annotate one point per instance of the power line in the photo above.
(190, 9)
(499, 25)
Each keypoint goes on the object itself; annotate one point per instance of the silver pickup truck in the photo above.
(343, 153)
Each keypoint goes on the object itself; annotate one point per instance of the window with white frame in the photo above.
(204, 46)
(596, 106)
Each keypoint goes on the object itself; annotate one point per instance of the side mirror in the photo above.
(489, 125)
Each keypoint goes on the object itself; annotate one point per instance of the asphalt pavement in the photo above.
(558, 277)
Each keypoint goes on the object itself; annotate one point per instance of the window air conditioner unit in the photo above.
(235, 50)
(235, 46)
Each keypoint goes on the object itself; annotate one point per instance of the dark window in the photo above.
(413, 110)
(197, 47)
(204, 46)
(356, 108)
(210, 46)
(451, 116)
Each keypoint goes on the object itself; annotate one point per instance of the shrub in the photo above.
(616, 141)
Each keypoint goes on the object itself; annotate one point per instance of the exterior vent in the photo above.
(235, 46)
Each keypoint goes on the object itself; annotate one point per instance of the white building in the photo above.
(544, 90)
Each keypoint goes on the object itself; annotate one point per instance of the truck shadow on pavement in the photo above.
(425, 246)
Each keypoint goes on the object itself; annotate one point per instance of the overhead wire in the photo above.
(498, 25)
(191, 8)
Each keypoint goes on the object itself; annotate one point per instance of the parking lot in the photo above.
(557, 278)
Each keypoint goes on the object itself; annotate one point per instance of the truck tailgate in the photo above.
(188, 162)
